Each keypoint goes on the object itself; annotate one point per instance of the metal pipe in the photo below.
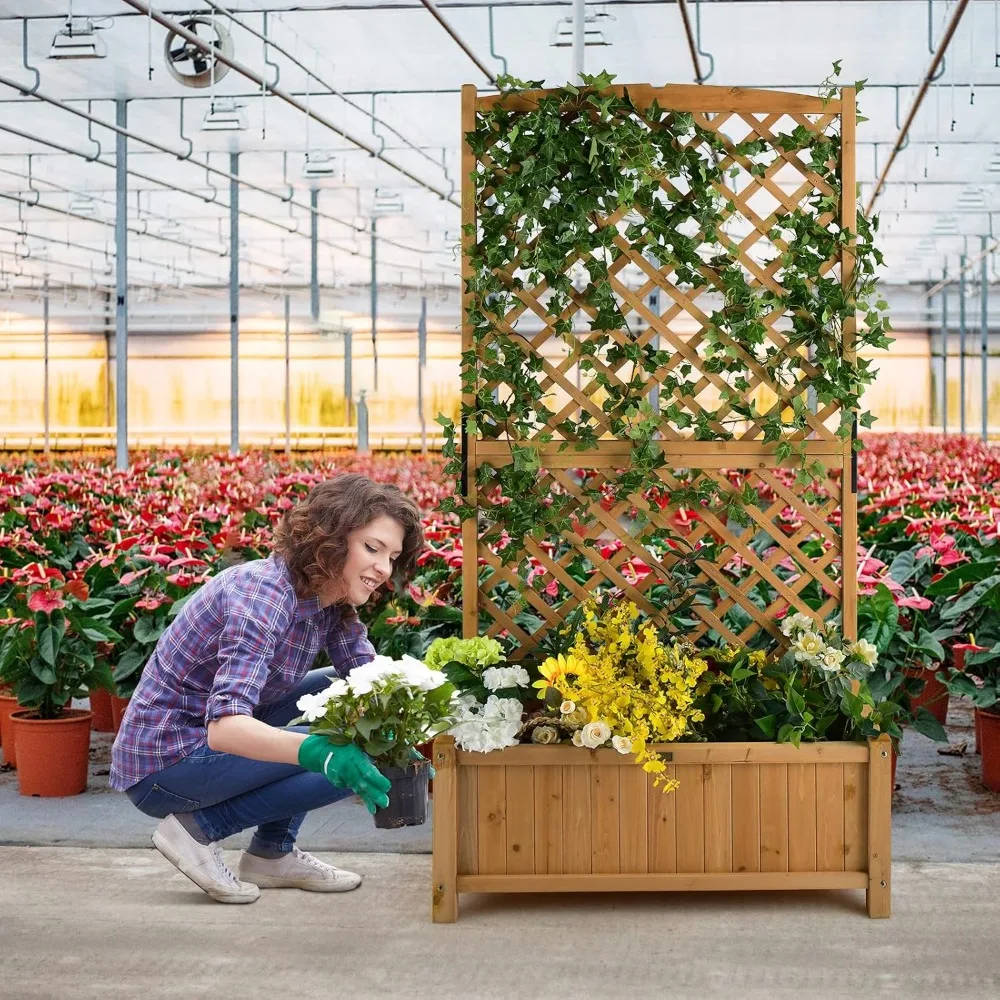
(439, 17)
(288, 378)
(968, 263)
(421, 370)
(205, 165)
(209, 201)
(961, 346)
(579, 39)
(374, 307)
(121, 287)
(314, 255)
(945, 347)
(984, 346)
(234, 305)
(269, 42)
(45, 377)
(689, 34)
(252, 75)
(917, 101)
(348, 375)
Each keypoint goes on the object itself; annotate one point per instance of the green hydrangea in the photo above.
(476, 654)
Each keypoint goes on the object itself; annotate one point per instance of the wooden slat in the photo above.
(719, 817)
(576, 820)
(687, 97)
(855, 818)
(880, 828)
(444, 864)
(633, 818)
(520, 820)
(604, 817)
(746, 817)
(550, 833)
(829, 817)
(690, 806)
(650, 882)
(774, 817)
(662, 825)
(683, 753)
(849, 498)
(802, 817)
(492, 821)
(470, 539)
(468, 820)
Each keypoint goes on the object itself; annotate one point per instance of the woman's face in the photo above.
(371, 553)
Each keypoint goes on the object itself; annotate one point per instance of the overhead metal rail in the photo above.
(250, 74)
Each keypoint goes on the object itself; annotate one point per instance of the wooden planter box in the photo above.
(746, 816)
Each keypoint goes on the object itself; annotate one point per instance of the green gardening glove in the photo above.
(346, 767)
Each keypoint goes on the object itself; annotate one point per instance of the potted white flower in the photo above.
(387, 707)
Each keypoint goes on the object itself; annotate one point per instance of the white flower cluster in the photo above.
(492, 726)
(383, 674)
(499, 678)
(821, 645)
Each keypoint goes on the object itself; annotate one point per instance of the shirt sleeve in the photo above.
(348, 646)
(254, 623)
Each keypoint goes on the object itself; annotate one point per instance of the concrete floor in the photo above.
(83, 924)
(94, 919)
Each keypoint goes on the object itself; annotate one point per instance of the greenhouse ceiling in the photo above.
(366, 123)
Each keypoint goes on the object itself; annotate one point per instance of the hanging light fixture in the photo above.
(224, 115)
(77, 39)
(83, 204)
(318, 165)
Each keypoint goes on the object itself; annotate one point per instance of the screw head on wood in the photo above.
(439, 756)
(885, 753)
(883, 883)
(440, 886)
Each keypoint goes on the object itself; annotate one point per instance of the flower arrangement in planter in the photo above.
(48, 656)
(387, 708)
(979, 680)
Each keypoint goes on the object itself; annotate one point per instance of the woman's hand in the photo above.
(346, 767)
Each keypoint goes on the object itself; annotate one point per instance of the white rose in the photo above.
(578, 738)
(595, 734)
(807, 646)
(622, 744)
(567, 707)
(865, 651)
(796, 623)
(831, 659)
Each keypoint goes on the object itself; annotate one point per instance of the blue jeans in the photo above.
(227, 793)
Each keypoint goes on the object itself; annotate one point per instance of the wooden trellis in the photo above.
(812, 549)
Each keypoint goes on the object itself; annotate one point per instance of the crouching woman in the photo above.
(205, 744)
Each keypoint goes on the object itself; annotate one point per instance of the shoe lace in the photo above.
(223, 868)
(310, 860)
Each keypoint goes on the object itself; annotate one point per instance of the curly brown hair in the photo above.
(312, 537)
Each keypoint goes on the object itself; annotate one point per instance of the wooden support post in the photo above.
(848, 476)
(879, 827)
(444, 906)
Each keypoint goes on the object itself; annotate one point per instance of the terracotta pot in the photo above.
(934, 696)
(8, 704)
(118, 706)
(100, 707)
(978, 729)
(895, 757)
(427, 749)
(52, 753)
(989, 736)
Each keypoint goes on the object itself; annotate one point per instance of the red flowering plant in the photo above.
(49, 636)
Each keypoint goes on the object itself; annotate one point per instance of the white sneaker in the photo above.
(202, 863)
(296, 870)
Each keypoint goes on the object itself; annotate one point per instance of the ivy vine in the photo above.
(547, 180)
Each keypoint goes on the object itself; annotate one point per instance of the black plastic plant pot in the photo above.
(407, 797)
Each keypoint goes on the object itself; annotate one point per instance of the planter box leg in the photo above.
(444, 901)
(879, 827)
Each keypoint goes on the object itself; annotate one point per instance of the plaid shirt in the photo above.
(243, 639)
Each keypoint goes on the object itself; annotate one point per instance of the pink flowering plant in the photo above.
(49, 642)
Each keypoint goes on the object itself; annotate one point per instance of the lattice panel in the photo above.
(798, 548)
(742, 578)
